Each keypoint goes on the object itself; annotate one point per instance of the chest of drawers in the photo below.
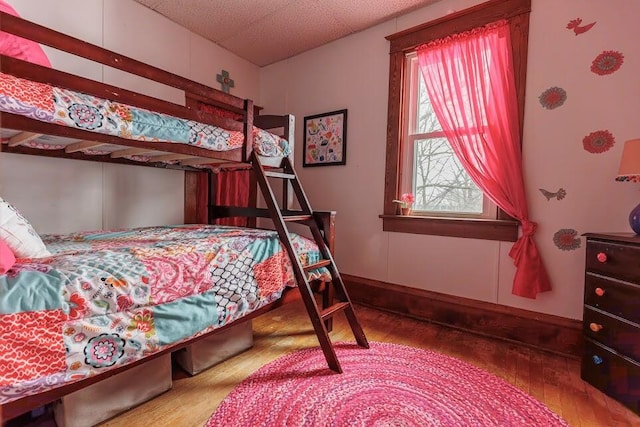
(611, 359)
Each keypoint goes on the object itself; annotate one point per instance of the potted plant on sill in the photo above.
(405, 202)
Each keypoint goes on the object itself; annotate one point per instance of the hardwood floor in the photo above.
(552, 379)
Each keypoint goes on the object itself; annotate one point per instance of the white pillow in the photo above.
(18, 234)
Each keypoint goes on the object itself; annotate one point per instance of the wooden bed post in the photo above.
(253, 198)
(248, 129)
(196, 197)
(327, 224)
(248, 138)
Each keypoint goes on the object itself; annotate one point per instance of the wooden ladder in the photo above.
(319, 317)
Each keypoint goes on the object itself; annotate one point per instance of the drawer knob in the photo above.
(597, 359)
(595, 327)
(599, 292)
(602, 257)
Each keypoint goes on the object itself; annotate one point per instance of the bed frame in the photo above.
(198, 182)
(193, 91)
(25, 404)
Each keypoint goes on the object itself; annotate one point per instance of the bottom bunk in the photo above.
(106, 301)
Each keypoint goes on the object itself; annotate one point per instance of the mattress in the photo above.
(108, 298)
(51, 104)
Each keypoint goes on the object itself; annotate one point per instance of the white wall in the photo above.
(60, 195)
(63, 195)
(357, 79)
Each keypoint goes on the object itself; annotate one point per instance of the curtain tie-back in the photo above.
(529, 228)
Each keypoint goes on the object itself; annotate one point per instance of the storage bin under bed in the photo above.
(112, 396)
(217, 348)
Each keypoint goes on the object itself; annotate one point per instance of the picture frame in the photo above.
(325, 139)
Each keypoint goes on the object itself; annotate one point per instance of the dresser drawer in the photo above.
(614, 260)
(611, 373)
(620, 335)
(620, 299)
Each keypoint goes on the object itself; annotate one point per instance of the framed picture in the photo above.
(325, 139)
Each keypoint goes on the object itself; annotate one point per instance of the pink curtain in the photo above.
(470, 82)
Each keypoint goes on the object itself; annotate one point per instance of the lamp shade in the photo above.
(629, 169)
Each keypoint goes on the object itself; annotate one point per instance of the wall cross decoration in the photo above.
(225, 81)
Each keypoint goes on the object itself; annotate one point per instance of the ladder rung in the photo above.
(297, 217)
(279, 175)
(322, 263)
(330, 311)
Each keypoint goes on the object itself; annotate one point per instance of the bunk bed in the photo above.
(47, 112)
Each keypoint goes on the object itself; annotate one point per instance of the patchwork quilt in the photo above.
(65, 107)
(105, 299)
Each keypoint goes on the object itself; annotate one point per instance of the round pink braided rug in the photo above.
(386, 385)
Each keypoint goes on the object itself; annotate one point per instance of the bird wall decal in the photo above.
(574, 25)
(559, 195)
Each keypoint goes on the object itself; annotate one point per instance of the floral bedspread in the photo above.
(108, 298)
(65, 107)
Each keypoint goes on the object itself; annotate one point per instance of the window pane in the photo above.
(426, 120)
(440, 182)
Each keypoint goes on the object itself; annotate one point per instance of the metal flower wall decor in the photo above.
(553, 97)
(566, 239)
(607, 62)
(598, 142)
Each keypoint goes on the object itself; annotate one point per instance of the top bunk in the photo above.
(48, 112)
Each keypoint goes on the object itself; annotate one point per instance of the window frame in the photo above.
(409, 140)
(504, 228)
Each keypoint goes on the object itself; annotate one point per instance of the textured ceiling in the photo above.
(267, 31)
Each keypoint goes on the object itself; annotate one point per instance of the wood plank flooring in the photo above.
(553, 379)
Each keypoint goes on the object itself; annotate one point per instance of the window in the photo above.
(430, 169)
(419, 158)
